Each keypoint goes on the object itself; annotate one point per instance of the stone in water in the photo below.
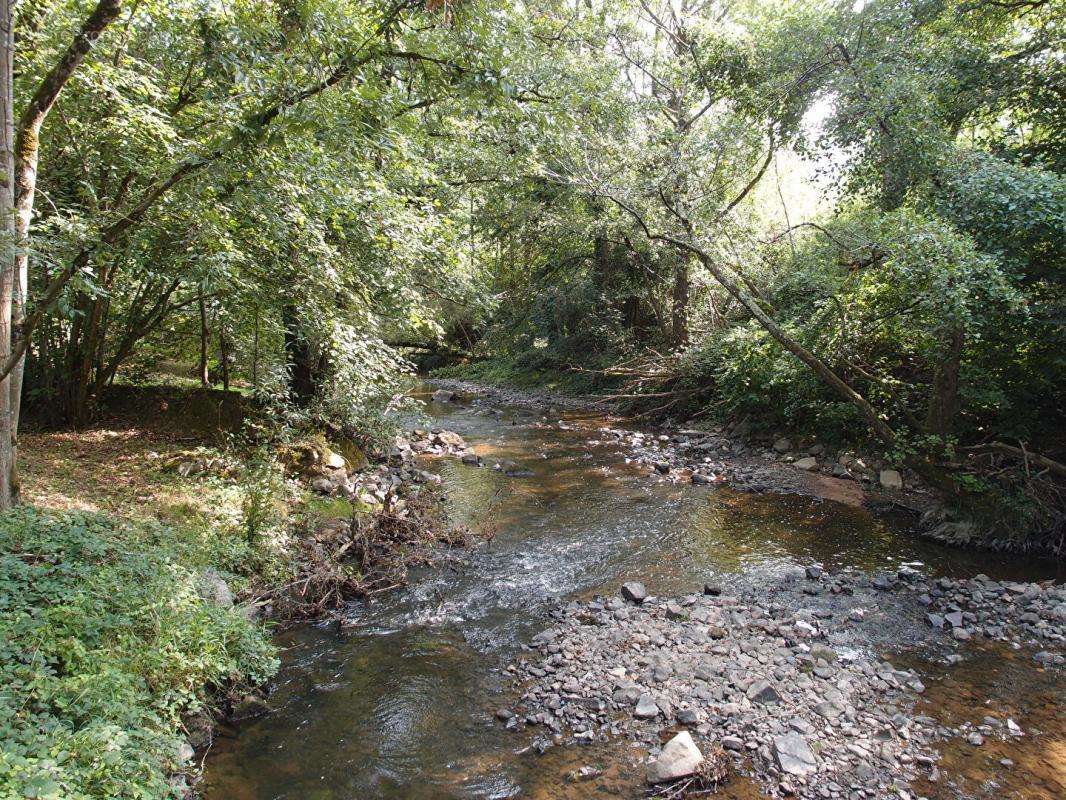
(679, 758)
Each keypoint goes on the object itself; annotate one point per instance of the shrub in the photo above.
(104, 642)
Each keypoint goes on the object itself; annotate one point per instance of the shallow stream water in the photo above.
(401, 704)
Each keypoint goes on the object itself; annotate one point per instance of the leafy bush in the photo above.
(104, 642)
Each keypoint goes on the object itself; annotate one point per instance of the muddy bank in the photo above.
(786, 684)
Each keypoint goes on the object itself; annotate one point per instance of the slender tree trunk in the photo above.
(205, 377)
(9, 243)
(23, 169)
(223, 353)
(740, 293)
(679, 301)
(255, 352)
(879, 426)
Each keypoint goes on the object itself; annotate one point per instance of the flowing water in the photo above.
(401, 704)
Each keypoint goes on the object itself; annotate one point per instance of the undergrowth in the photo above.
(105, 642)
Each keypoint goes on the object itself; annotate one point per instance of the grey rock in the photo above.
(634, 591)
(891, 480)
(793, 755)
(646, 708)
(762, 692)
(679, 758)
(214, 589)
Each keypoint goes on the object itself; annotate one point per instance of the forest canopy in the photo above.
(842, 217)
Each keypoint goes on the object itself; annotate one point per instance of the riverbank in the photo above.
(717, 454)
(166, 548)
(748, 459)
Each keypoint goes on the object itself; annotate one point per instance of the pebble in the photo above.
(760, 675)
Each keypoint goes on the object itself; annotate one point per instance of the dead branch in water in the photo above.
(366, 555)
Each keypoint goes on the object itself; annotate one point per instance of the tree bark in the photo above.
(24, 169)
(255, 352)
(202, 371)
(9, 244)
(223, 355)
(304, 368)
(679, 301)
(944, 392)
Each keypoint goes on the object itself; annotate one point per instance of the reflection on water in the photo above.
(401, 705)
(1002, 684)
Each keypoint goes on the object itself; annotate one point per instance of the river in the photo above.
(400, 703)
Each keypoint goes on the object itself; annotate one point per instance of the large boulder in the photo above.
(810, 463)
(679, 758)
(448, 439)
(443, 396)
(783, 445)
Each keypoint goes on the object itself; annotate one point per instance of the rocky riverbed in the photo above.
(729, 454)
(787, 684)
(568, 505)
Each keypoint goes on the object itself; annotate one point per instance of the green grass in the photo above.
(105, 642)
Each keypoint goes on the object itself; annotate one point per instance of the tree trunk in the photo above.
(304, 368)
(9, 243)
(22, 165)
(255, 352)
(944, 392)
(679, 302)
(223, 354)
(869, 413)
(202, 371)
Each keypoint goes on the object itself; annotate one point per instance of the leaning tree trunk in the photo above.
(10, 242)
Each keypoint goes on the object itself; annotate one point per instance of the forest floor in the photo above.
(116, 464)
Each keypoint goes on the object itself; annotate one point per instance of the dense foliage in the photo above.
(105, 641)
(523, 183)
(841, 217)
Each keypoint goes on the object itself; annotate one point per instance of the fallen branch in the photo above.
(1026, 455)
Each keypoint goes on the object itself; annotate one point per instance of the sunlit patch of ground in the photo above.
(111, 469)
